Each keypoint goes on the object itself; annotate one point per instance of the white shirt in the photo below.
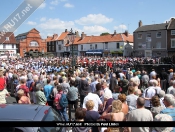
(93, 97)
(169, 89)
(148, 93)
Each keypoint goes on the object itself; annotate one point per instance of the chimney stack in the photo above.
(140, 23)
(77, 34)
(65, 30)
(83, 35)
(115, 32)
(126, 33)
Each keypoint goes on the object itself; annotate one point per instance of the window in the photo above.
(158, 45)
(91, 46)
(172, 43)
(158, 35)
(49, 48)
(172, 32)
(95, 46)
(148, 35)
(148, 45)
(81, 47)
(118, 45)
(4, 46)
(59, 47)
(7, 38)
(106, 45)
(139, 36)
(12, 46)
(53, 47)
(139, 46)
(33, 43)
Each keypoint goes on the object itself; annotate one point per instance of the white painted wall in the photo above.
(8, 48)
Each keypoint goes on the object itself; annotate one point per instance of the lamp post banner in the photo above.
(25, 9)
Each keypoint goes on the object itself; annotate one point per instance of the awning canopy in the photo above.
(93, 52)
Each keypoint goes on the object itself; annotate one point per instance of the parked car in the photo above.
(26, 112)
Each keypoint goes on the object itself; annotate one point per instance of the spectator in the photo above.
(83, 88)
(93, 84)
(131, 99)
(40, 97)
(169, 102)
(72, 97)
(113, 82)
(60, 110)
(161, 97)
(79, 116)
(116, 92)
(47, 91)
(125, 108)
(95, 98)
(162, 117)
(156, 106)
(148, 94)
(23, 99)
(140, 114)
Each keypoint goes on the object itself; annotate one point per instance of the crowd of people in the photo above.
(97, 89)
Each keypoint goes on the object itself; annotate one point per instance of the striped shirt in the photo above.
(169, 111)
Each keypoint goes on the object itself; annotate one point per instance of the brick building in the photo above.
(31, 41)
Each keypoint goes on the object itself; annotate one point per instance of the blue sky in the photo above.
(92, 17)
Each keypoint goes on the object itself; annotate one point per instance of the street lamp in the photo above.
(71, 37)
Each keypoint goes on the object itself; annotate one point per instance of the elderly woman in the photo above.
(108, 99)
(125, 108)
(155, 101)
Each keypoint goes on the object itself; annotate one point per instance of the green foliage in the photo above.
(104, 34)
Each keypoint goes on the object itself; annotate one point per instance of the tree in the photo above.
(104, 34)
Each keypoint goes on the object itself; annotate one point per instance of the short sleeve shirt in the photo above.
(3, 94)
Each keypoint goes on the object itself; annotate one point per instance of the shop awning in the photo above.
(93, 52)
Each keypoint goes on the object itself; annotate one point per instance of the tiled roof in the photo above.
(22, 34)
(49, 38)
(172, 24)
(128, 38)
(11, 36)
(153, 27)
(63, 35)
(105, 38)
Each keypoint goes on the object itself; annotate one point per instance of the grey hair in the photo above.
(151, 83)
(113, 75)
(172, 92)
(169, 98)
(38, 87)
(161, 93)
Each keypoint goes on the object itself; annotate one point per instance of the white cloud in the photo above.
(51, 26)
(68, 5)
(51, 7)
(43, 5)
(168, 19)
(54, 2)
(31, 23)
(94, 30)
(121, 28)
(94, 19)
(43, 19)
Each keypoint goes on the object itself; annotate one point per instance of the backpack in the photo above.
(51, 95)
(63, 101)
